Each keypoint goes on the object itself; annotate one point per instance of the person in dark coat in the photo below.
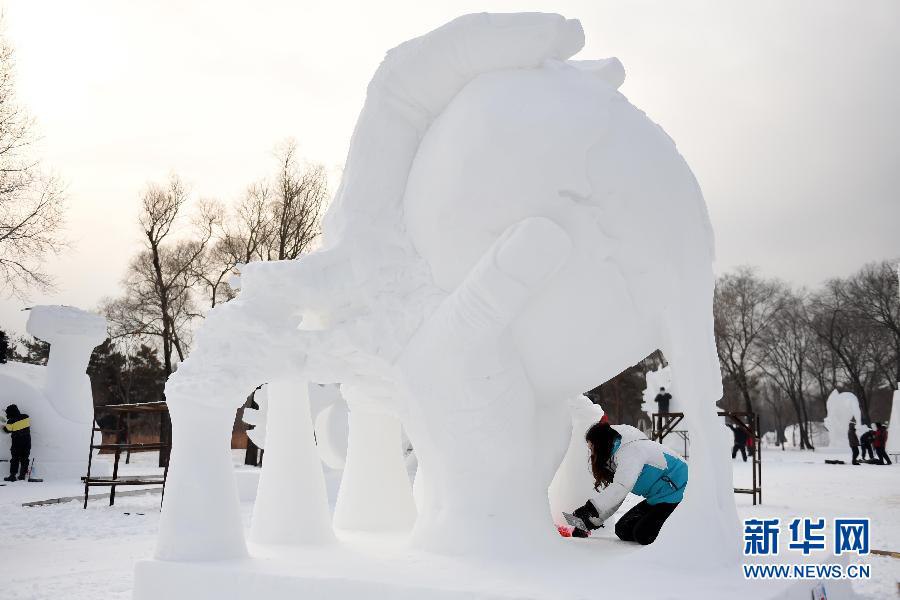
(880, 444)
(866, 440)
(18, 426)
(740, 441)
(662, 399)
(854, 441)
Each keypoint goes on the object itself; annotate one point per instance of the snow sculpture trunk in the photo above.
(201, 517)
(708, 508)
(375, 493)
(291, 503)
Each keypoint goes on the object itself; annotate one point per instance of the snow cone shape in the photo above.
(291, 504)
(573, 484)
(840, 408)
(375, 492)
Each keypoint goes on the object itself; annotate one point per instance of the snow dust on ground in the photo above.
(62, 552)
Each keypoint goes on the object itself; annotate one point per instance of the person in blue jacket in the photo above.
(624, 461)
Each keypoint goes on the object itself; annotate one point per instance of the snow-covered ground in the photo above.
(63, 552)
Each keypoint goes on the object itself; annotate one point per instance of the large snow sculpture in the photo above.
(840, 408)
(501, 210)
(291, 506)
(57, 397)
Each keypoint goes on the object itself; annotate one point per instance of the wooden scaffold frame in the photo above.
(665, 423)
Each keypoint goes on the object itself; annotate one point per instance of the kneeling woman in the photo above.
(623, 460)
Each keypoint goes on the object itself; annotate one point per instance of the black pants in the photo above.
(883, 458)
(642, 523)
(742, 448)
(18, 462)
(855, 450)
(867, 449)
(663, 408)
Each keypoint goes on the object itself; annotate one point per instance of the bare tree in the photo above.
(299, 196)
(241, 238)
(785, 346)
(31, 202)
(872, 294)
(274, 220)
(774, 401)
(857, 343)
(745, 307)
(158, 300)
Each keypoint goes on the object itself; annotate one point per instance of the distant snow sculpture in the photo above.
(502, 210)
(840, 408)
(893, 443)
(57, 397)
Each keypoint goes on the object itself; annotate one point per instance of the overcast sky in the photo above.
(786, 110)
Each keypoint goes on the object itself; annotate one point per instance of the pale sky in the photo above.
(787, 111)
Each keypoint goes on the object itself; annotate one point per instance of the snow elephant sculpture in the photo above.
(502, 209)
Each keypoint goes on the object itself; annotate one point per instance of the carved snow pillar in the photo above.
(201, 517)
(291, 503)
(375, 493)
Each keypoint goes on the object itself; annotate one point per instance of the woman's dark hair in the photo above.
(601, 438)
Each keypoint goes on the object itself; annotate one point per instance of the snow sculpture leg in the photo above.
(201, 518)
(708, 508)
(375, 493)
(291, 504)
(477, 405)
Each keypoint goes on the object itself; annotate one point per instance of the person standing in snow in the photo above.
(866, 440)
(880, 443)
(740, 441)
(624, 461)
(662, 400)
(18, 426)
(854, 441)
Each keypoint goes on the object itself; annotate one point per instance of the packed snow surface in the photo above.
(63, 552)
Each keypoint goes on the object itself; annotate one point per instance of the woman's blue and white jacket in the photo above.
(642, 467)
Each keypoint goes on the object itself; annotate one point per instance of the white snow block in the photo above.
(195, 525)
(573, 483)
(291, 503)
(840, 408)
(375, 492)
(893, 443)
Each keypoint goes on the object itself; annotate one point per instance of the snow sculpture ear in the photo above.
(609, 70)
